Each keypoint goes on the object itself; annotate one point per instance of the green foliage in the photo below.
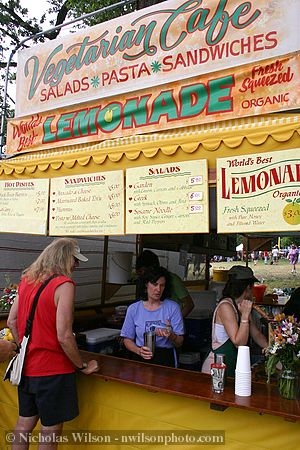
(289, 240)
(80, 7)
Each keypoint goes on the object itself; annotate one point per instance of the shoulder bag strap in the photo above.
(34, 305)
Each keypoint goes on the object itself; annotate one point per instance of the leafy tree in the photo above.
(289, 240)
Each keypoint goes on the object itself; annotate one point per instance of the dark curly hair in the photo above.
(151, 275)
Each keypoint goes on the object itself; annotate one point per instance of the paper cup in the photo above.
(243, 383)
(243, 393)
(239, 374)
(243, 359)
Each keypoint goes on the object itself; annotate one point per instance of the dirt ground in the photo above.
(274, 276)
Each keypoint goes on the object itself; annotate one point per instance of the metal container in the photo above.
(149, 340)
(218, 373)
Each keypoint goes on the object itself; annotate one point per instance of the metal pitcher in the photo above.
(149, 340)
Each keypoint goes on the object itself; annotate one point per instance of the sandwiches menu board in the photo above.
(24, 206)
(167, 198)
(91, 204)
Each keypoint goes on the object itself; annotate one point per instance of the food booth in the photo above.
(153, 149)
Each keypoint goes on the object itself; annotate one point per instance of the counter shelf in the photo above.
(265, 398)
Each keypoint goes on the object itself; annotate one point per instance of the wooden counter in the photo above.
(140, 398)
(185, 383)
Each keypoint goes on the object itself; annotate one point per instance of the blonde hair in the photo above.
(57, 257)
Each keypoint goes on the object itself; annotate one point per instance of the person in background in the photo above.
(254, 257)
(275, 254)
(232, 323)
(293, 257)
(47, 390)
(266, 256)
(178, 292)
(154, 311)
(7, 350)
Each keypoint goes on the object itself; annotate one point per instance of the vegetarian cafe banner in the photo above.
(174, 40)
(167, 198)
(91, 204)
(259, 192)
(269, 86)
(24, 206)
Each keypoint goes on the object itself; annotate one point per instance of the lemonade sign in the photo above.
(259, 192)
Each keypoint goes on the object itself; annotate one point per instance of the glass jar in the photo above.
(288, 384)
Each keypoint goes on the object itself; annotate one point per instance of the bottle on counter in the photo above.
(217, 371)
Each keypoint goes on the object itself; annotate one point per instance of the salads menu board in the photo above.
(91, 204)
(167, 198)
(24, 206)
(259, 192)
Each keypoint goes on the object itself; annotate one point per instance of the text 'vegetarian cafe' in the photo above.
(171, 42)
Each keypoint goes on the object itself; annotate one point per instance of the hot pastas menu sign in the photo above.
(167, 198)
(259, 192)
(91, 204)
(24, 206)
(174, 40)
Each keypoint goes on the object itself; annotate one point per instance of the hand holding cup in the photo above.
(145, 352)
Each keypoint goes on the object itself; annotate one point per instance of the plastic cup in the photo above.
(242, 383)
(243, 394)
(243, 359)
(259, 291)
(243, 375)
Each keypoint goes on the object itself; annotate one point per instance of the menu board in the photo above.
(259, 192)
(91, 204)
(24, 206)
(167, 198)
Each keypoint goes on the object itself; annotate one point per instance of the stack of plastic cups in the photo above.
(243, 372)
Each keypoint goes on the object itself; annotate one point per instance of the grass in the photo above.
(274, 276)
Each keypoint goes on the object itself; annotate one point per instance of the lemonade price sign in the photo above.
(91, 204)
(259, 192)
(24, 206)
(167, 198)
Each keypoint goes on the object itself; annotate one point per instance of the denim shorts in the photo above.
(53, 398)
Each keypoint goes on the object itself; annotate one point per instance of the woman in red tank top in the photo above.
(47, 390)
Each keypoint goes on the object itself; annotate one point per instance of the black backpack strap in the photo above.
(34, 305)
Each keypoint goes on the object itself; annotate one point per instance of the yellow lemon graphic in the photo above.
(291, 212)
(108, 116)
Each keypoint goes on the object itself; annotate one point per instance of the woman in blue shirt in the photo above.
(154, 312)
